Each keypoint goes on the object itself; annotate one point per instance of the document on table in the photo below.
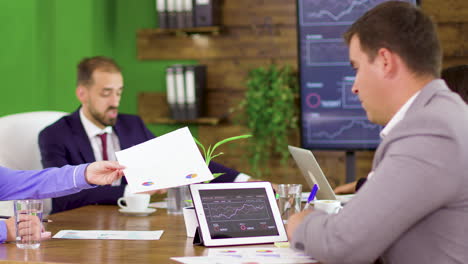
(109, 234)
(246, 255)
(167, 161)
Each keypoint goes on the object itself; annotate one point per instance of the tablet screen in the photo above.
(235, 213)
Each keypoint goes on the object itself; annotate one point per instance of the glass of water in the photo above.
(178, 198)
(31, 208)
(289, 201)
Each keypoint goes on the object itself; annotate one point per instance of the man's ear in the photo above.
(81, 92)
(388, 62)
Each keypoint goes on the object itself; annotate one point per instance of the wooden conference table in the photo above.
(173, 243)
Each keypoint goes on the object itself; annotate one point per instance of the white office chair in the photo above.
(19, 148)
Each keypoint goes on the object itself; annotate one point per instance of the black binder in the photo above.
(195, 82)
(207, 13)
(162, 14)
(180, 14)
(188, 13)
(181, 99)
(171, 92)
(171, 14)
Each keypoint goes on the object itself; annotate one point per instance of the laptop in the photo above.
(312, 172)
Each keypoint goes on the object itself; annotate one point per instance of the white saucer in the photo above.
(145, 212)
(344, 198)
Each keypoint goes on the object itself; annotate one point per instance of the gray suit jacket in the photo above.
(415, 207)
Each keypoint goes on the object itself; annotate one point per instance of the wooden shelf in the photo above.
(180, 31)
(199, 121)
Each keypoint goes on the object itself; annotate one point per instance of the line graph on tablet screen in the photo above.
(238, 213)
(241, 210)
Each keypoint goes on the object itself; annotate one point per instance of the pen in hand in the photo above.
(312, 194)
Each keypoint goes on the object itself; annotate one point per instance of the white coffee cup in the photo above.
(328, 206)
(135, 203)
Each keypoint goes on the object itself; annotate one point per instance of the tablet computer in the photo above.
(312, 172)
(237, 213)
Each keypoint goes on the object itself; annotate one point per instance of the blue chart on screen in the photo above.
(238, 213)
(332, 116)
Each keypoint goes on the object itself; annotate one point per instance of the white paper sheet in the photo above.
(167, 161)
(109, 234)
(247, 255)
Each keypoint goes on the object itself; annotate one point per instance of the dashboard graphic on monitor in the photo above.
(332, 116)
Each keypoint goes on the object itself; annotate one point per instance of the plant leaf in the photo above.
(227, 140)
(216, 175)
(201, 146)
(219, 154)
(208, 155)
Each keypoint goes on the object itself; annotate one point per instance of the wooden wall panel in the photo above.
(258, 13)
(451, 17)
(453, 61)
(454, 39)
(220, 104)
(239, 42)
(152, 105)
(446, 10)
(232, 74)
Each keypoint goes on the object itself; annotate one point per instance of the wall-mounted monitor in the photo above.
(331, 115)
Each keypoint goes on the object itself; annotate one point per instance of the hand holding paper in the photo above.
(167, 161)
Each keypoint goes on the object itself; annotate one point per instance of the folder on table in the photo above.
(162, 14)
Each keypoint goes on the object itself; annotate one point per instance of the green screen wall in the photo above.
(43, 40)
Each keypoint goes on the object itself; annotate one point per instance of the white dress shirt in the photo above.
(93, 132)
(400, 114)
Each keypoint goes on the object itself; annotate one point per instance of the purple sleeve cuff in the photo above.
(79, 177)
(3, 231)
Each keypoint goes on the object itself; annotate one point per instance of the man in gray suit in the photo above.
(414, 206)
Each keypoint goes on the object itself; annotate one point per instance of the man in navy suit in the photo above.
(82, 136)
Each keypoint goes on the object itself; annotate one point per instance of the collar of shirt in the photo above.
(398, 116)
(91, 129)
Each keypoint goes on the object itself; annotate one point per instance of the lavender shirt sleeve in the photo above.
(3, 231)
(40, 184)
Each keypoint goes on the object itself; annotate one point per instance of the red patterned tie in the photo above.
(104, 146)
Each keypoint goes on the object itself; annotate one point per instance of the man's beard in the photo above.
(101, 117)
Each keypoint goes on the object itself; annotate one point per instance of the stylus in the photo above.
(312, 194)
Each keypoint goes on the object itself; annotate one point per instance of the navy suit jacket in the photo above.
(66, 142)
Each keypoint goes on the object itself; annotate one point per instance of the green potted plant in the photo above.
(208, 153)
(270, 112)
